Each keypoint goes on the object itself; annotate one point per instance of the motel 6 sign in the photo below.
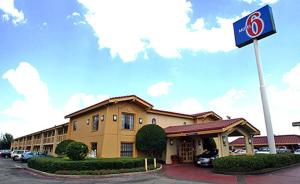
(257, 25)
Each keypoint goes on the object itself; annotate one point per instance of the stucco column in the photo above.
(198, 146)
(55, 141)
(171, 149)
(248, 144)
(42, 143)
(223, 147)
(32, 143)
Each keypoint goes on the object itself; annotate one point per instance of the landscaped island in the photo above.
(89, 166)
(254, 164)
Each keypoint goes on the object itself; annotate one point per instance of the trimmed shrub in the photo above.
(61, 148)
(77, 151)
(254, 163)
(53, 165)
(151, 139)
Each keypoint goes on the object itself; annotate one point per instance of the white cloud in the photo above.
(10, 12)
(159, 89)
(283, 102)
(261, 2)
(82, 100)
(34, 111)
(292, 78)
(136, 26)
(189, 106)
(76, 18)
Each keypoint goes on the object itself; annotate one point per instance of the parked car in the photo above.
(206, 158)
(263, 150)
(28, 155)
(5, 153)
(282, 149)
(17, 154)
(297, 152)
(240, 151)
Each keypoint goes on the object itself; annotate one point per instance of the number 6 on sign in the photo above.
(254, 24)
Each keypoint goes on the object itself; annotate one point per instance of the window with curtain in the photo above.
(95, 123)
(127, 121)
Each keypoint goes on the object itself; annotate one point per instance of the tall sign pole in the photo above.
(251, 28)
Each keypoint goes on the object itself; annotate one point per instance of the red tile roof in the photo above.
(213, 125)
(262, 140)
(104, 102)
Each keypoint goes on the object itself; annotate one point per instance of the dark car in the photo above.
(5, 153)
(28, 155)
(206, 158)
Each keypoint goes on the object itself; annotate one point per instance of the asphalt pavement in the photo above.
(14, 172)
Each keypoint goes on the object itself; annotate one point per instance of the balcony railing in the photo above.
(28, 142)
(61, 137)
(48, 140)
(37, 141)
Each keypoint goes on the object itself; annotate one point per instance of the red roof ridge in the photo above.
(212, 125)
(106, 101)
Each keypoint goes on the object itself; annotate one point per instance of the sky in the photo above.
(58, 56)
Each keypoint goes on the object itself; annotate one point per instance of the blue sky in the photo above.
(60, 56)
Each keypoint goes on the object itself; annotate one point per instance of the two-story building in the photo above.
(43, 141)
(109, 128)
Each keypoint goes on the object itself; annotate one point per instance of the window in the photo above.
(95, 123)
(65, 130)
(153, 121)
(74, 125)
(126, 149)
(127, 121)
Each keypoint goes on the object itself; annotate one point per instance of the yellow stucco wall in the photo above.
(110, 134)
(165, 121)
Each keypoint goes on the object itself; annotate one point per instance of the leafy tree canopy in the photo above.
(5, 141)
(61, 148)
(151, 139)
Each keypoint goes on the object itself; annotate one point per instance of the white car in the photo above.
(240, 151)
(263, 150)
(17, 154)
(297, 152)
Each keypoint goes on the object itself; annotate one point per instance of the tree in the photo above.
(151, 139)
(77, 151)
(5, 141)
(61, 148)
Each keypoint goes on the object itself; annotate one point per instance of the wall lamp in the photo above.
(224, 140)
(102, 118)
(115, 117)
(140, 120)
(171, 142)
(249, 140)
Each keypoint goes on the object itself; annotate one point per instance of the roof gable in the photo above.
(132, 98)
(218, 126)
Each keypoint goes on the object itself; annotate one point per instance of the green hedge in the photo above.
(53, 165)
(254, 163)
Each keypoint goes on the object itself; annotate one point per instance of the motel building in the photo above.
(291, 142)
(109, 129)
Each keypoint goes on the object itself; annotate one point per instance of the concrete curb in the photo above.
(41, 173)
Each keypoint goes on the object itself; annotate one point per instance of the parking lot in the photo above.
(13, 172)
